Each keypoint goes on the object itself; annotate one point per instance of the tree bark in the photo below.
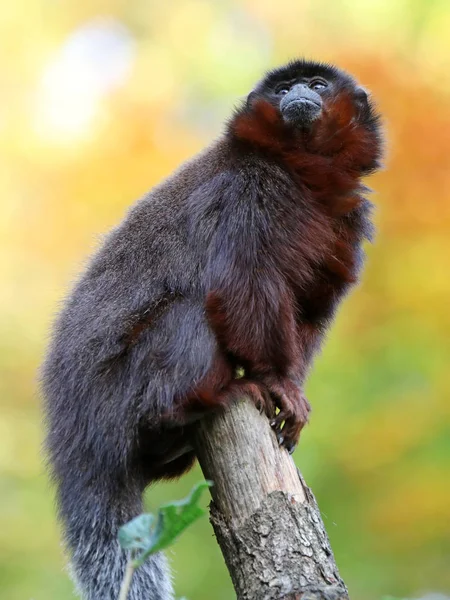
(265, 518)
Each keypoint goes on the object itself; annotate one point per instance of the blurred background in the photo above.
(99, 100)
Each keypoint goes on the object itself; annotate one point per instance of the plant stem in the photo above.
(126, 582)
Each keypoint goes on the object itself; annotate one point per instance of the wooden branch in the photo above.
(265, 518)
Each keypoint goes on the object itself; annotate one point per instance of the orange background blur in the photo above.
(99, 100)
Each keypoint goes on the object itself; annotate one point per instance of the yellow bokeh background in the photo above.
(101, 99)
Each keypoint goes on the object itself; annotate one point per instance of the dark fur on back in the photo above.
(237, 260)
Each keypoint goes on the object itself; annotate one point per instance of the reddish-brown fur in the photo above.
(331, 155)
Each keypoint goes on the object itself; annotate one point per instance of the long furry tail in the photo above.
(91, 521)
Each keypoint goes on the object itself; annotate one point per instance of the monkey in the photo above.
(221, 281)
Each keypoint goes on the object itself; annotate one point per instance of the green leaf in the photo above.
(146, 534)
(135, 534)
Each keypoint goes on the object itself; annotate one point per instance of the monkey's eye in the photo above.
(318, 84)
(283, 91)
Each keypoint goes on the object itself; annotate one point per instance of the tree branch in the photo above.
(265, 518)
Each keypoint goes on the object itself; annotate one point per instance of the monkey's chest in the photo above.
(330, 279)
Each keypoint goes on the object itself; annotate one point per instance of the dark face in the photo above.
(301, 103)
(302, 89)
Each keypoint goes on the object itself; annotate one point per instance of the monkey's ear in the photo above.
(251, 97)
(362, 94)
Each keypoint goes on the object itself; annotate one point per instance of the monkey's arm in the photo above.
(317, 306)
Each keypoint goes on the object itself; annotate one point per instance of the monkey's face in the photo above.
(301, 104)
(303, 91)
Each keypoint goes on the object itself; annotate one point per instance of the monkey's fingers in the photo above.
(258, 393)
(293, 416)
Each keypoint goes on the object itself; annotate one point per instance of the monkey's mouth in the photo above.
(302, 102)
(301, 112)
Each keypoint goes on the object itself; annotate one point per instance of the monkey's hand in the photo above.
(257, 392)
(293, 413)
(270, 394)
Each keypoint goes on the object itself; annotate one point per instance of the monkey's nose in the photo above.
(303, 92)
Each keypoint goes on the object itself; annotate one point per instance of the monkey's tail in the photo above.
(92, 513)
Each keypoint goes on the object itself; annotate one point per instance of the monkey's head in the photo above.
(304, 91)
(314, 108)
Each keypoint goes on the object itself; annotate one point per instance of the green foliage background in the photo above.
(377, 451)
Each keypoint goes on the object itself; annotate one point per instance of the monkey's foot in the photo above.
(293, 414)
